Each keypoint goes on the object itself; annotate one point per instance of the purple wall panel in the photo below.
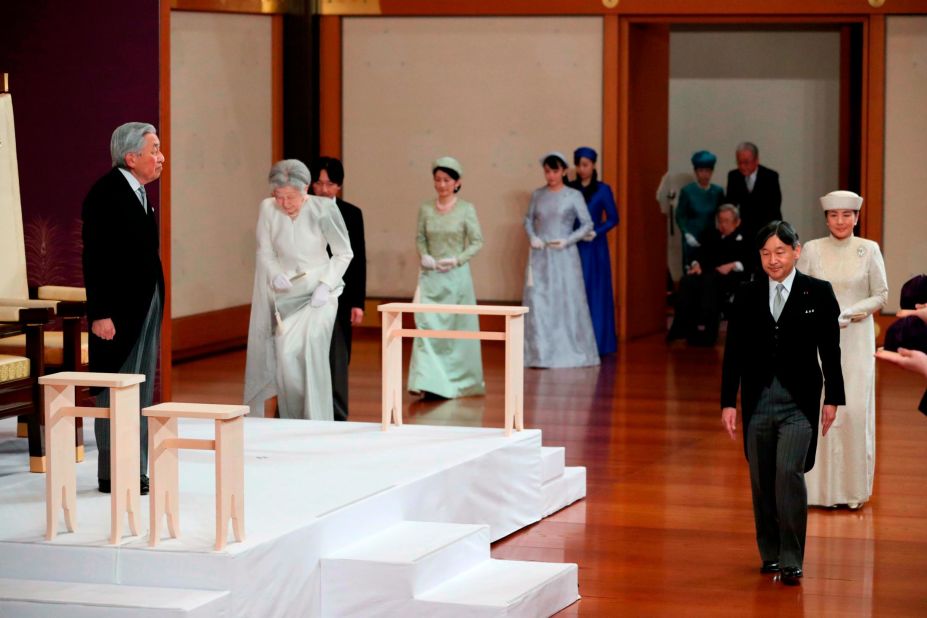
(77, 70)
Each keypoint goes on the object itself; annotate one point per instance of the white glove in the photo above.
(556, 244)
(589, 236)
(537, 243)
(691, 241)
(320, 295)
(282, 283)
(843, 320)
(428, 262)
(445, 264)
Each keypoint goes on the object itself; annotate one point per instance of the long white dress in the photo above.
(288, 356)
(845, 458)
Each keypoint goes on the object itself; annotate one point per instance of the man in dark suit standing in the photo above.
(123, 275)
(328, 175)
(779, 326)
(754, 189)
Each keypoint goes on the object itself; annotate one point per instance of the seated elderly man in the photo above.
(711, 280)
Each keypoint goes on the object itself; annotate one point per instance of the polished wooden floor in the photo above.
(667, 527)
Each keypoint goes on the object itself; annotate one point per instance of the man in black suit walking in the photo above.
(779, 326)
(123, 275)
(328, 175)
(754, 189)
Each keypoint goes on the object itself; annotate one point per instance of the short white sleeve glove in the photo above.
(590, 235)
(843, 320)
(446, 264)
(320, 295)
(537, 243)
(428, 262)
(282, 283)
(692, 241)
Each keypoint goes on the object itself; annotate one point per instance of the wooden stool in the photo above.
(513, 336)
(230, 466)
(125, 458)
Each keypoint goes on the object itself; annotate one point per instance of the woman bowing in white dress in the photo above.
(845, 459)
(295, 299)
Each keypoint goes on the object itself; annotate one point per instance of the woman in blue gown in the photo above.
(593, 249)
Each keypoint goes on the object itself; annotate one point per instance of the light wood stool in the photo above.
(513, 336)
(124, 455)
(164, 498)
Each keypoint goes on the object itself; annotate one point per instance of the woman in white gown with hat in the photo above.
(845, 459)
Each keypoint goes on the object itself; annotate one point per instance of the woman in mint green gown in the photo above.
(448, 236)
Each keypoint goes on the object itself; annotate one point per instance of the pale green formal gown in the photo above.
(447, 367)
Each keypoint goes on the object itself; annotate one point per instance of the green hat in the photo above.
(449, 163)
(704, 159)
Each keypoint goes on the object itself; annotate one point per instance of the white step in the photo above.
(499, 588)
(552, 462)
(32, 598)
(564, 490)
(380, 574)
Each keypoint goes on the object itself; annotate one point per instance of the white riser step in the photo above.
(564, 490)
(31, 598)
(499, 588)
(552, 462)
(380, 574)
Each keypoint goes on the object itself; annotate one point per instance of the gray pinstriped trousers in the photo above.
(777, 445)
(143, 358)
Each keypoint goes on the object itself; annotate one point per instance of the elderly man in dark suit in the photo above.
(754, 189)
(328, 175)
(779, 327)
(123, 275)
(711, 279)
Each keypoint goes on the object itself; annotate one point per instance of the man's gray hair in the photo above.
(289, 173)
(748, 146)
(728, 208)
(128, 138)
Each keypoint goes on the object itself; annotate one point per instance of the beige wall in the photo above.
(905, 234)
(220, 154)
(728, 87)
(494, 92)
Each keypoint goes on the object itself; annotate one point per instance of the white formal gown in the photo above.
(845, 460)
(288, 358)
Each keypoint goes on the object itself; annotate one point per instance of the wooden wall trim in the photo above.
(330, 85)
(873, 138)
(164, 131)
(261, 7)
(210, 332)
(622, 139)
(610, 98)
(276, 87)
(629, 7)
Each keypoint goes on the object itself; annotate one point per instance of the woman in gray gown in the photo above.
(558, 328)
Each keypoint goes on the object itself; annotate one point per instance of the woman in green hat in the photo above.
(448, 236)
(698, 203)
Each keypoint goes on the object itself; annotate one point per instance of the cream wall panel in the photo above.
(905, 233)
(496, 93)
(221, 151)
(728, 87)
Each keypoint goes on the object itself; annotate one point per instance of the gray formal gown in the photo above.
(558, 327)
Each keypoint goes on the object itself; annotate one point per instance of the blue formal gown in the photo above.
(597, 266)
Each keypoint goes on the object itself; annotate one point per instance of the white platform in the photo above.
(329, 507)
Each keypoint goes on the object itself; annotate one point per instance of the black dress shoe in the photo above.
(791, 575)
(105, 486)
(769, 566)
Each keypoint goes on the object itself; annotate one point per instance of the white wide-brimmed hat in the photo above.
(841, 200)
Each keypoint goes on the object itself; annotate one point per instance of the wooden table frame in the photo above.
(513, 336)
